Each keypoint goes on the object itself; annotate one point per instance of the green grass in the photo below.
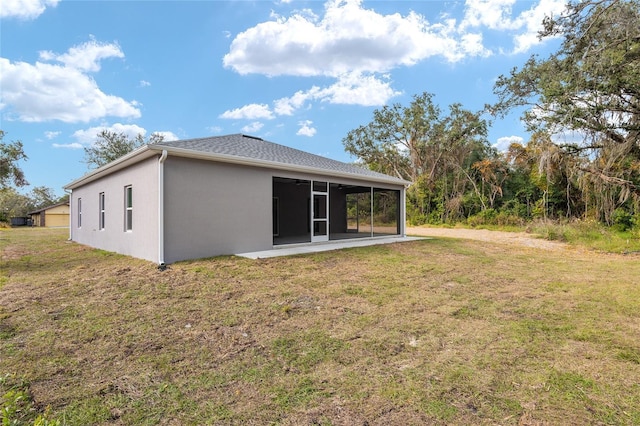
(591, 235)
(426, 332)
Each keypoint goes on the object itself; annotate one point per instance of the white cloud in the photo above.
(498, 15)
(144, 83)
(306, 129)
(253, 127)
(51, 135)
(25, 9)
(214, 129)
(287, 106)
(493, 14)
(357, 89)
(532, 21)
(249, 112)
(73, 145)
(504, 142)
(168, 136)
(349, 89)
(88, 136)
(44, 91)
(348, 38)
(86, 56)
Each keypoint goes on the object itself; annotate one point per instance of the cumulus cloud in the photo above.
(306, 129)
(358, 47)
(144, 83)
(503, 143)
(358, 89)
(287, 106)
(252, 127)
(249, 112)
(25, 9)
(66, 91)
(498, 15)
(86, 56)
(348, 38)
(51, 134)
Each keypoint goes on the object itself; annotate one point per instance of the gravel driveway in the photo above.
(516, 238)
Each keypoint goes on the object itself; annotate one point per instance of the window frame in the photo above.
(101, 211)
(128, 208)
(80, 212)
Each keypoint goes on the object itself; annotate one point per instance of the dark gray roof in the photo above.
(253, 148)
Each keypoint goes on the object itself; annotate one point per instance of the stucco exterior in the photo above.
(215, 208)
(142, 240)
(195, 198)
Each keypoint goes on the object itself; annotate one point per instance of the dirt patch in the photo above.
(501, 237)
(12, 253)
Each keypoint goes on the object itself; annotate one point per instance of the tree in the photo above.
(421, 144)
(10, 154)
(42, 196)
(13, 204)
(590, 86)
(110, 146)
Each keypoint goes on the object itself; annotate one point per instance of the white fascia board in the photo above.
(133, 157)
(181, 152)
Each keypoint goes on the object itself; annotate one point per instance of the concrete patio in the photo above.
(294, 249)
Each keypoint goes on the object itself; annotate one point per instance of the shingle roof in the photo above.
(253, 148)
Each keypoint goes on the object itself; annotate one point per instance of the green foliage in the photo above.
(589, 87)
(109, 146)
(16, 405)
(622, 219)
(10, 155)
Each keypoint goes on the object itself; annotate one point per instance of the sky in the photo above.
(298, 73)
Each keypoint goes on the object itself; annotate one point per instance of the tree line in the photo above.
(582, 108)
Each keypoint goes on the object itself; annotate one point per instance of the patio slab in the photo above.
(290, 250)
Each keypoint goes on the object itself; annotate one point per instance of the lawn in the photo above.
(427, 332)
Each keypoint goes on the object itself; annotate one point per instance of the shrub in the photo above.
(622, 220)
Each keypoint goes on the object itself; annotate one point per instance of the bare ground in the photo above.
(500, 237)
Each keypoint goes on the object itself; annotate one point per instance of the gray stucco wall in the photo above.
(215, 208)
(142, 240)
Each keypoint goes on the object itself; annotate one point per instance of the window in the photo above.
(128, 208)
(101, 208)
(79, 212)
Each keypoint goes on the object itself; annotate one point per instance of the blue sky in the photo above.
(299, 73)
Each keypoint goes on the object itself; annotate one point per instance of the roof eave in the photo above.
(64, 203)
(133, 157)
(188, 153)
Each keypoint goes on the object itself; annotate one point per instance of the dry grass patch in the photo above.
(427, 332)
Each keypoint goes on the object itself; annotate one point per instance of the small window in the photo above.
(101, 219)
(128, 207)
(319, 186)
(79, 212)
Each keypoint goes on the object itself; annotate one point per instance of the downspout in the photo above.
(70, 192)
(163, 157)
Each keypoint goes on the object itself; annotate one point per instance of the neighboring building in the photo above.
(226, 195)
(56, 216)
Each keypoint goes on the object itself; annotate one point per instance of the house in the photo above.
(51, 216)
(230, 194)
